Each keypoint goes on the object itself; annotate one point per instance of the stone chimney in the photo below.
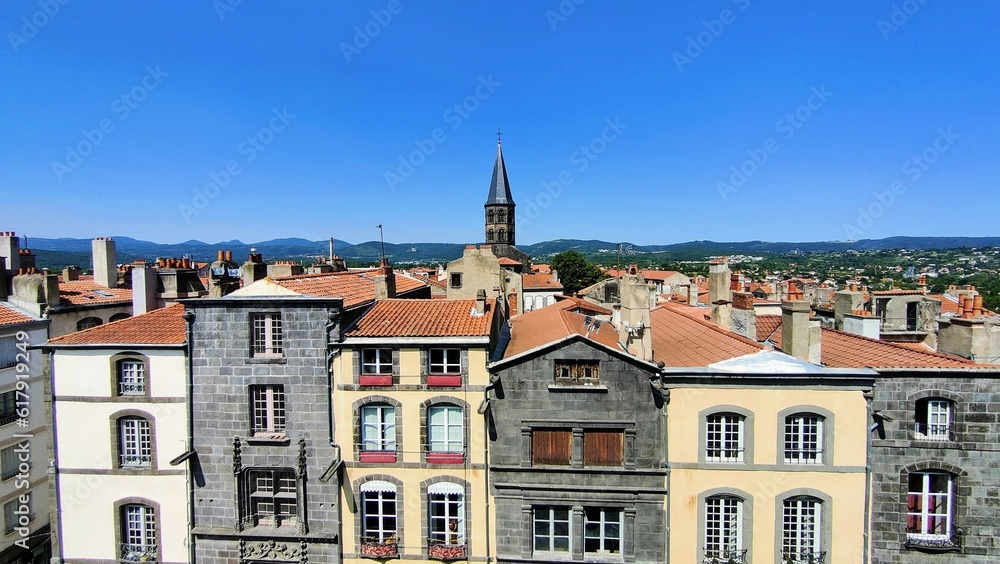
(10, 260)
(692, 294)
(27, 259)
(846, 301)
(976, 339)
(720, 292)
(143, 288)
(35, 292)
(71, 273)
(282, 268)
(800, 336)
(861, 322)
(253, 269)
(481, 302)
(105, 269)
(744, 318)
(385, 281)
(634, 331)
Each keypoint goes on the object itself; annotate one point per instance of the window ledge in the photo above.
(258, 360)
(382, 456)
(444, 380)
(600, 388)
(445, 458)
(381, 380)
(269, 439)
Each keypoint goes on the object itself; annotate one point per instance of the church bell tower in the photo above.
(499, 205)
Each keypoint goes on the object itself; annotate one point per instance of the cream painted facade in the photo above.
(91, 484)
(763, 479)
(412, 475)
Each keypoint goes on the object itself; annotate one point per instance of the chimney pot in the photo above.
(229, 256)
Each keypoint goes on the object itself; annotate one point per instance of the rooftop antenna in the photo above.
(382, 239)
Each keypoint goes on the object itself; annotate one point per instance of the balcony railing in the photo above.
(371, 547)
(440, 550)
(724, 455)
(804, 558)
(933, 432)
(138, 553)
(933, 542)
(135, 460)
(804, 456)
(725, 557)
(131, 388)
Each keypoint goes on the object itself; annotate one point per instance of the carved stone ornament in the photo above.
(269, 550)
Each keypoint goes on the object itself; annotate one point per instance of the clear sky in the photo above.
(646, 122)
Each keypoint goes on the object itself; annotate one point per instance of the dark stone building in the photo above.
(576, 445)
(265, 485)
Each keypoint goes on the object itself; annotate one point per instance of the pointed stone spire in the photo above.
(499, 187)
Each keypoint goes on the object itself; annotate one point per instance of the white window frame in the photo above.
(138, 532)
(135, 442)
(719, 431)
(446, 504)
(804, 438)
(269, 490)
(444, 365)
(378, 428)
(266, 337)
(802, 529)
(937, 414)
(380, 361)
(131, 377)
(269, 409)
(604, 522)
(441, 423)
(723, 527)
(545, 516)
(927, 512)
(382, 497)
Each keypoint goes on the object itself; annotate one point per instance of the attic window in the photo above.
(456, 280)
(577, 372)
(103, 293)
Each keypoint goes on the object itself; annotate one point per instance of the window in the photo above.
(134, 443)
(489, 236)
(268, 404)
(271, 496)
(138, 533)
(724, 437)
(14, 510)
(603, 448)
(378, 514)
(8, 352)
(266, 341)
(376, 361)
(602, 531)
(378, 433)
(929, 508)
(445, 435)
(804, 439)
(489, 216)
(444, 367)
(501, 216)
(447, 521)
(724, 530)
(456, 280)
(933, 418)
(501, 235)
(577, 372)
(551, 446)
(8, 407)
(88, 322)
(119, 317)
(551, 529)
(800, 531)
(131, 377)
(9, 462)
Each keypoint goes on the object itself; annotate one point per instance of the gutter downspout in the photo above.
(486, 463)
(869, 397)
(188, 352)
(330, 355)
(665, 394)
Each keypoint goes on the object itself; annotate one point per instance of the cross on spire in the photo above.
(499, 133)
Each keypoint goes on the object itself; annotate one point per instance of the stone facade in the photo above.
(526, 400)
(226, 527)
(967, 448)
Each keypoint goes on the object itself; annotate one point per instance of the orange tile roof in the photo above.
(164, 326)
(424, 318)
(355, 286)
(572, 302)
(11, 316)
(847, 350)
(541, 269)
(550, 324)
(507, 261)
(86, 292)
(766, 326)
(896, 292)
(539, 281)
(949, 304)
(658, 275)
(681, 340)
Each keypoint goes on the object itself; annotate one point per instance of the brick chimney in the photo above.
(744, 318)
(105, 269)
(385, 281)
(634, 332)
(846, 301)
(922, 284)
(800, 336)
(720, 292)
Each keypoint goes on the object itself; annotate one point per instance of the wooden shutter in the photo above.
(603, 448)
(551, 446)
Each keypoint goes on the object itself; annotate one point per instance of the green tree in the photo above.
(575, 271)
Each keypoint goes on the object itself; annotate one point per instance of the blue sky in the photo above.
(646, 122)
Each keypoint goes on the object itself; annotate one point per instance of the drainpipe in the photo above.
(330, 355)
(869, 396)
(486, 462)
(665, 396)
(188, 352)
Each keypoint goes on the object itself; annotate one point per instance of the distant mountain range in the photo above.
(56, 253)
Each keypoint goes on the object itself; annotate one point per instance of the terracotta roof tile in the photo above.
(658, 275)
(949, 304)
(549, 324)
(766, 326)
(11, 316)
(680, 340)
(539, 281)
(424, 318)
(164, 326)
(571, 303)
(85, 292)
(896, 292)
(355, 286)
(507, 261)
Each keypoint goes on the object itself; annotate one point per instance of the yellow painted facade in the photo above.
(410, 471)
(763, 479)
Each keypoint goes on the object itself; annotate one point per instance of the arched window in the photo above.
(933, 419)
(501, 216)
(119, 316)
(489, 216)
(930, 509)
(378, 432)
(135, 442)
(445, 434)
(489, 236)
(446, 525)
(378, 519)
(88, 322)
(138, 533)
(724, 534)
(501, 236)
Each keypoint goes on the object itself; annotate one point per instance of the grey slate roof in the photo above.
(499, 187)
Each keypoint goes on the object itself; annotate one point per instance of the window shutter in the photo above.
(603, 448)
(551, 446)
